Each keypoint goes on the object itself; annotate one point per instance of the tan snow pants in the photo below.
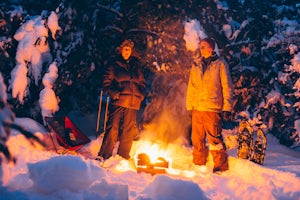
(207, 128)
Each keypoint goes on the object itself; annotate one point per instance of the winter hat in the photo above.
(210, 41)
(127, 43)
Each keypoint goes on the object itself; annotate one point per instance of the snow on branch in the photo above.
(7, 122)
(53, 24)
(19, 82)
(193, 33)
(6, 116)
(77, 39)
(48, 100)
(33, 50)
(3, 94)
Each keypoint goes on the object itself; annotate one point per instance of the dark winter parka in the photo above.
(124, 82)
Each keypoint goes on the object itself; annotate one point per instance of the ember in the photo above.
(144, 164)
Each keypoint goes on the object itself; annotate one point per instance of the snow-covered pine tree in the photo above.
(90, 31)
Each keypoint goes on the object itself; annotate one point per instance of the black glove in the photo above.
(189, 114)
(226, 116)
(116, 96)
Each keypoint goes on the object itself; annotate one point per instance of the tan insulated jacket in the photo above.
(211, 90)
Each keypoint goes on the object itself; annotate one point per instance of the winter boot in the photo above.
(220, 159)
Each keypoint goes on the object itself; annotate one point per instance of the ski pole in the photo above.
(106, 113)
(99, 112)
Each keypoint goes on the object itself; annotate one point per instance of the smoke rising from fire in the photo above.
(165, 118)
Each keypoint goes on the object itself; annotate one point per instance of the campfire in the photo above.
(144, 164)
(151, 159)
(157, 157)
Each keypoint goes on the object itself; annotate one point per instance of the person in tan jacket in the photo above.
(209, 98)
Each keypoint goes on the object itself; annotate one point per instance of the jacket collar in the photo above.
(123, 63)
(210, 59)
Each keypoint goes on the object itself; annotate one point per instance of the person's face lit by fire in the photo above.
(126, 52)
(205, 49)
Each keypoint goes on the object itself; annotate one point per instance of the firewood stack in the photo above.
(144, 165)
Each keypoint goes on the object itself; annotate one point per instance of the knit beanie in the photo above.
(210, 41)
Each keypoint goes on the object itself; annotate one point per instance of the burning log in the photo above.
(144, 164)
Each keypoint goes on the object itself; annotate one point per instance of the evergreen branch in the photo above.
(240, 43)
(30, 136)
(114, 28)
(6, 153)
(110, 10)
(143, 31)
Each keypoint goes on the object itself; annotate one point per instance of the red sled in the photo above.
(66, 134)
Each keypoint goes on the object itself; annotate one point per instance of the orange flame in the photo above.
(178, 157)
(153, 150)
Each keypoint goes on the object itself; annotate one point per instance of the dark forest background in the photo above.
(92, 29)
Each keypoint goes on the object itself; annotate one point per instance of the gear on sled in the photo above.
(251, 143)
(65, 135)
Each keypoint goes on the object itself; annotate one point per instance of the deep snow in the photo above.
(43, 174)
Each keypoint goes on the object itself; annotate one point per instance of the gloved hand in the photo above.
(226, 116)
(116, 96)
(189, 113)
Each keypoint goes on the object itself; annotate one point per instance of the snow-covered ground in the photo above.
(44, 174)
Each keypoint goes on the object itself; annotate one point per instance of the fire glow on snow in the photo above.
(43, 174)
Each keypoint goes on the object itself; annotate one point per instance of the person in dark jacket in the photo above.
(125, 84)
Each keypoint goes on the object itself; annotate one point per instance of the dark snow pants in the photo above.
(206, 126)
(121, 125)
